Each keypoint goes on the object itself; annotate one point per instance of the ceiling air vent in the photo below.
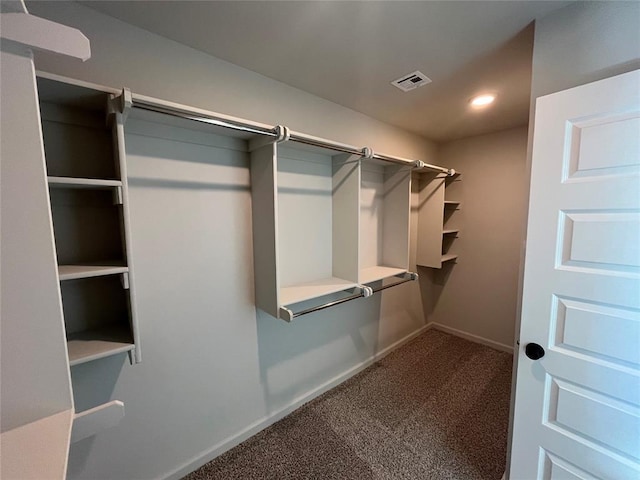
(411, 80)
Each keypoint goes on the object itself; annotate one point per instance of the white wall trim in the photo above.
(269, 420)
(470, 336)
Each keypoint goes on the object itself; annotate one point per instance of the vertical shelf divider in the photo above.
(264, 201)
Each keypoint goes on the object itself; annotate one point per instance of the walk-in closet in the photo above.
(309, 240)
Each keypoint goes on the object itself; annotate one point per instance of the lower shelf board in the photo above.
(74, 272)
(317, 288)
(372, 274)
(99, 343)
(37, 450)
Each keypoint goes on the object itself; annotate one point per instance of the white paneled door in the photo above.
(577, 406)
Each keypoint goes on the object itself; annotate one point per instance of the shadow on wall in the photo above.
(432, 282)
(93, 385)
(313, 349)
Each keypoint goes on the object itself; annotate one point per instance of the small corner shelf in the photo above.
(448, 257)
(98, 343)
(437, 220)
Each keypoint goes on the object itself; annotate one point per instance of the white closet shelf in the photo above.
(74, 182)
(451, 203)
(99, 343)
(371, 274)
(39, 449)
(447, 257)
(73, 272)
(450, 231)
(317, 288)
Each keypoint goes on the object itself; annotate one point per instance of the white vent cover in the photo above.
(411, 81)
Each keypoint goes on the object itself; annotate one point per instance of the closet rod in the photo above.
(319, 142)
(329, 304)
(417, 163)
(181, 111)
(379, 289)
(209, 118)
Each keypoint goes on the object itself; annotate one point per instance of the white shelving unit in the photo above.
(84, 151)
(435, 211)
(325, 223)
(306, 212)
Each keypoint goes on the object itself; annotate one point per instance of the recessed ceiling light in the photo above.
(482, 100)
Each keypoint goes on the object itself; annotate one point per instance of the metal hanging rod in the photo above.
(365, 291)
(419, 164)
(329, 304)
(203, 116)
(384, 287)
(219, 121)
(319, 142)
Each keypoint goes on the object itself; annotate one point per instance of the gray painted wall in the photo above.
(213, 369)
(478, 294)
(585, 42)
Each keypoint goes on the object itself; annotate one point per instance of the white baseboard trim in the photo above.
(470, 336)
(269, 420)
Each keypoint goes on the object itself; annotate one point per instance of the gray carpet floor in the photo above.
(437, 408)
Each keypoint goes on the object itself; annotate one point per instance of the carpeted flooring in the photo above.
(437, 408)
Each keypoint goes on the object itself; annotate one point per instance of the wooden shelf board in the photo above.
(39, 449)
(371, 274)
(72, 272)
(450, 231)
(73, 182)
(447, 257)
(99, 343)
(310, 290)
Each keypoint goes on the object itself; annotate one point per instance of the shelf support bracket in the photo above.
(367, 153)
(117, 196)
(124, 279)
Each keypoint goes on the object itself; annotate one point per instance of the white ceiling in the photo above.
(348, 52)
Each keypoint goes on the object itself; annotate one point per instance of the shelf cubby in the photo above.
(305, 202)
(384, 220)
(96, 312)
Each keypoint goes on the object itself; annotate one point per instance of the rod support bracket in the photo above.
(364, 290)
(413, 276)
(452, 172)
(286, 314)
(367, 153)
(282, 133)
(121, 104)
(418, 164)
